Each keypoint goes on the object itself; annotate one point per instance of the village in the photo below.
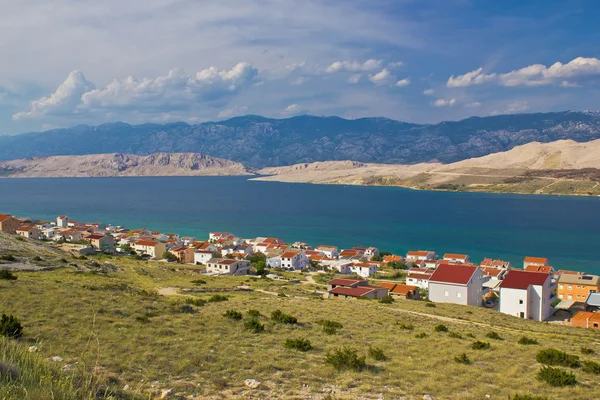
(536, 291)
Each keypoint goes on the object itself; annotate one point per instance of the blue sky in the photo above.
(69, 62)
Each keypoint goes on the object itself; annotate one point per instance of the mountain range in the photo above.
(260, 142)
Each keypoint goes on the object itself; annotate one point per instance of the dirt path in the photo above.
(169, 291)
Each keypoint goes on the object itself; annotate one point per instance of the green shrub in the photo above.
(591, 367)
(587, 350)
(298, 344)
(455, 335)
(184, 309)
(215, 298)
(557, 357)
(432, 305)
(8, 257)
(282, 318)
(479, 345)
(471, 335)
(462, 359)
(10, 326)
(254, 326)
(199, 282)
(441, 328)
(345, 358)
(19, 238)
(195, 302)
(377, 354)
(408, 327)
(330, 327)
(281, 295)
(7, 275)
(231, 314)
(421, 335)
(386, 300)
(493, 335)
(254, 313)
(528, 397)
(556, 376)
(527, 341)
(144, 319)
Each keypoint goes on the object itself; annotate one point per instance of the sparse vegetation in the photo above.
(195, 302)
(282, 318)
(298, 344)
(431, 305)
(441, 328)
(421, 335)
(493, 335)
(329, 327)
(462, 359)
(527, 341)
(345, 358)
(587, 350)
(557, 357)
(405, 326)
(231, 314)
(10, 326)
(217, 298)
(7, 257)
(591, 367)
(528, 397)
(254, 326)
(7, 275)
(377, 354)
(455, 335)
(479, 345)
(556, 377)
(254, 313)
(199, 282)
(386, 300)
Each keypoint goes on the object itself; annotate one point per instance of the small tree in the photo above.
(462, 359)
(345, 358)
(377, 354)
(167, 255)
(387, 300)
(298, 344)
(556, 377)
(7, 275)
(254, 326)
(10, 326)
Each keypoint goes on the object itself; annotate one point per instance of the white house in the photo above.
(329, 251)
(458, 284)
(421, 255)
(221, 266)
(371, 252)
(457, 258)
(363, 269)
(419, 279)
(534, 261)
(29, 232)
(202, 256)
(62, 221)
(526, 295)
(294, 260)
(153, 248)
(48, 233)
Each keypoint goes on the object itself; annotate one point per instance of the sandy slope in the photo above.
(114, 164)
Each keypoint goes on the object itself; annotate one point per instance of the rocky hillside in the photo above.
(260, 142)
(103, 165)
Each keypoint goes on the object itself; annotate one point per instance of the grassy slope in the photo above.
(206, 355)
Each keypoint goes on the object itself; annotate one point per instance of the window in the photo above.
(458, 294)
(570, 287)
(521, 302)
(560, 286)
(446, 293)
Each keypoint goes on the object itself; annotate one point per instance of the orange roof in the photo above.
(4, 217)
(388, 285)
(362, 265)
(536, 260)
(146, 243)
(534, 268)
(455, 256)
(26, 228)
(403, 289)
(491, 271)
(420, 253)
(424, 276)
(392, 258)
(586, 316)
(289, 254)
(348, 253)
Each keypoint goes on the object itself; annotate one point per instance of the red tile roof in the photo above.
(489, 271)
(456, 274)
(348, 253)
(403, 289)
(392, 258)
(146, 243)
(290, 254)
(518, 279)
(420, 253)
(534, 268)
(388, 285)
(4, 217)
(423, 276)
(456, 256)
(94, 237)
(536, 260)
(355, 291)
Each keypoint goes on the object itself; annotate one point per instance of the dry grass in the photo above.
(143, 342)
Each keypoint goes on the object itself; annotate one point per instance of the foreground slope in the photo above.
(260, 142)
(97, 165)
(148, 343)
(561, 167)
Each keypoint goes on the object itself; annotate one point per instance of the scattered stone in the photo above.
(487, 396)
(66, 367)
(32, 349)
(126, 387)
(427, 397)
(56, 359)
(252, 383)
(166, 393)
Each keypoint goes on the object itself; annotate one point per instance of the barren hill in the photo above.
(114, 164)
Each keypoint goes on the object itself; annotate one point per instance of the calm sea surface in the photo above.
(565, 229)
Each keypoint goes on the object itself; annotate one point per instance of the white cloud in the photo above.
(63, 101)
(354, 66)
(428, 92)
(445, 103)
(175, 91)
(383, 77)
(474, 104)
(355, 78)
(517, 106)
(235, 111)
(293, 109)
(301, 80)
(395, 64)
(534, 75)
(403, 82)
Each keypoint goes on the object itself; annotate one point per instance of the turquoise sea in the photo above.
(564, 229)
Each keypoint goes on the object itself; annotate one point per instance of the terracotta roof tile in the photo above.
(519, 279)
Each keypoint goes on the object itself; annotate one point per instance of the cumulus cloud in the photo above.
(354, 66)
(395, 64)
(63, 101)
(445, 103)
(403, 82)
(383, 77)
(234, 111)
(293, 109)
(177, 90)
(474, 104)
(355, 78)
(428, 92)
(534, 75)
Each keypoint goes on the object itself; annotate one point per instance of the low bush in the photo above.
(8, 257)
(527, 341)
(282, 318)
(462, 359)
(408, 327)
(528, 397)
(345, 358)
(254, 313)
(377, 354)
(471, 335)
(282, 295)
(421, 335)
(386, 300)
(184, 309)
(199, 282)
(557, 357)
(298, 344)
(587, 350)
(215, 298)
(7, 275)
(556, 377)
(10, 326)
(455, 335)
(144, 319)
(493, 335)
(432, 305)
(37, 258)
(591, 367)
(479, 345)
(195, 302)
(441, 328)
(254, 326)
(231, 314)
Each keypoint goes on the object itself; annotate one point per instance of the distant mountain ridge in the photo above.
(111, 165)
(261, 142)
